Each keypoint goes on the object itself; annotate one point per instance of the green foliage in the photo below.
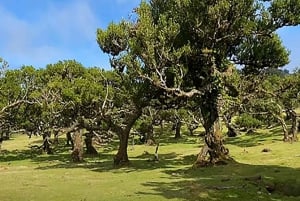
(114, 39)
(260, 52)
(247, 121)
(285, 12)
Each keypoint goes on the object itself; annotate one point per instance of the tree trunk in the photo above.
(284, 128)
(69, 140)
(177, 129)
(46, 142)
(90, 149)
(77, 153)
(192, 126)
(121, 158)
(213, 147)
(1, 140)
(232, 131)
(150, 136)
(294, 128)
(55, 133)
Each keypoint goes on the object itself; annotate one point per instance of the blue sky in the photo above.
(39, 32)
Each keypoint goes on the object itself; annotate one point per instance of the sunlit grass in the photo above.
(27, 174)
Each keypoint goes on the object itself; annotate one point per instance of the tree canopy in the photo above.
(188, 48)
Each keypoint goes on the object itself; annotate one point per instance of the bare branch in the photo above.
(14, 104)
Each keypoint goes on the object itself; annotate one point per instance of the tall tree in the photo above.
(187, 48)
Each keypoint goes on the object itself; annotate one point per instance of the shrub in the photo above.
(248, 121)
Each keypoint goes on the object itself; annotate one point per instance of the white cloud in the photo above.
(15, 33)
(51, 36)
(67, 21)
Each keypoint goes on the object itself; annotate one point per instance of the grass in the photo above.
(27, 175)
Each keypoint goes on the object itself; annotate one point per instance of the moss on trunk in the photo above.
(214, 151)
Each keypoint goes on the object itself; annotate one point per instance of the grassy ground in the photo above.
(27, 175)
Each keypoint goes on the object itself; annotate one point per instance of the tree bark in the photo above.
(55, 134)
(192, 126)
(69, 139)
(77, 153)
(284, 128)
(121, 158)
(294, 128)
(214, 148)
(177, 129)
(47, 143)
(90, 149)
(1, 140)
(232, 131)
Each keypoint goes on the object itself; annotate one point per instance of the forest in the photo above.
(201, 76)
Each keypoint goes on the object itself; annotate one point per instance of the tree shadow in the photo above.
(235, 181)
(103, 162)
(254, 139)
(16, 155)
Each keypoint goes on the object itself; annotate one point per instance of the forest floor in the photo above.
(265, 168)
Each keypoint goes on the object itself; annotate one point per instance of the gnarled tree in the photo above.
(187, 48)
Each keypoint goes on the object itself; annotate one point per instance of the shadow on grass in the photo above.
(183, 140)
(103, 162)
(256, 138)
(35, 154)
(232, 182)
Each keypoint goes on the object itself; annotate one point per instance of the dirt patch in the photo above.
(3, 168)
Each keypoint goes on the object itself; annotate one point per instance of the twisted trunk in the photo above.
(284, 128)
(121, 158)
(213, 147)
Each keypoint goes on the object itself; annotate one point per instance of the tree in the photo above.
(187, 48)
(14, 94)
(287, 94)
(277, 94)
(123, 105)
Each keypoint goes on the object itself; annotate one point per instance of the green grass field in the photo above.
(26, 175)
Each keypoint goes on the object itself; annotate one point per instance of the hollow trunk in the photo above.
(294, 128)
(213, 148)
(90, 149)
(121, 158)
(77, 153)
